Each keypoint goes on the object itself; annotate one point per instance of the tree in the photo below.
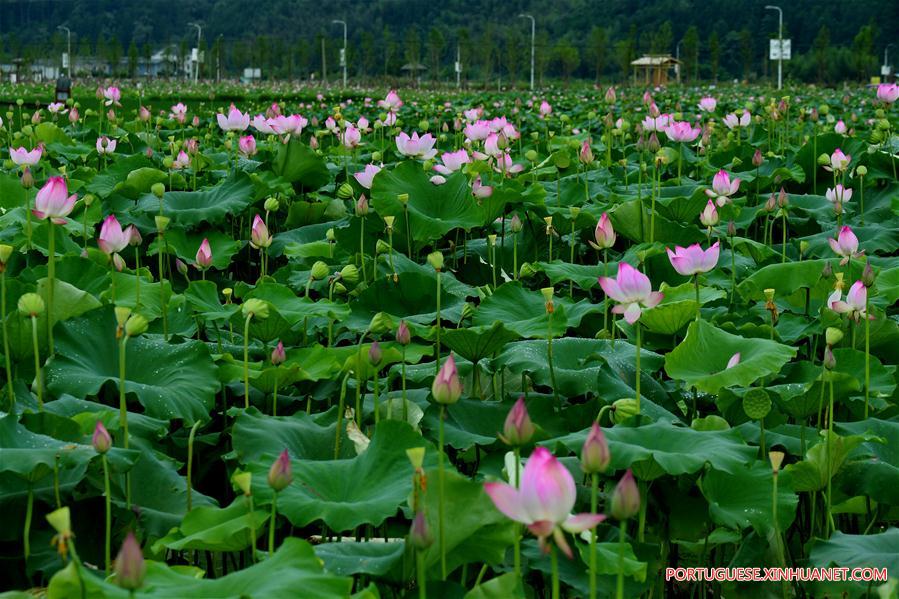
(746, 51)
(819, 48)
(512, 56)
(626, 49)
(367, 48)
(691, 53)
(542, 55)
(488, 50)
(863, 51)
(412, 46)
(436, 47)
(566, 58)
(596, 49)
(662, 40)
(132, 59)
(390, 50)
(714, 54)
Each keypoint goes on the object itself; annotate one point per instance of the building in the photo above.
(654, 70)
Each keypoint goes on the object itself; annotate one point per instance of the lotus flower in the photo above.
(732, 121)
(288, 125)
(472, 114)
(888, 92)
(181, 162)
(723, 187)
(234, 121)
(545, 109)
(392, 102)
(477, 131)
(544, 501)
(840, 127)
(708, 104)
(56, 108)
(261, 123)
(480, 190)
(53, 201)
(632, 290)
(604, 233)
(693, 260)
(259, 235)
(351, 137)
(179, 112)
(855, 302)
(505, 165)
(23, 157)
(105, 145)
(278, 356)
(656, 123)
(518, 428)
(365, 177)
(112, 238)
(839, 194)
(709, 215)
(452, 162)
(415, 146)
(682, 132)
(204, 255)
(246, 145)
(112, 95)
(845, 245)
(839, 161)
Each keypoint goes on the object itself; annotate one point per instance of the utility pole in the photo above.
(677, 58)
(197, 61)
(780, 43)
(458, 67)
(886, 61)
(342, 52)
(69, 49)
(324, 64)
(533, 41)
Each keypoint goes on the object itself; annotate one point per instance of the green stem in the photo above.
(554, 559)
(829, 523)
(698, 305)
(252, 529)
(246, 362)
(190, 464)
(162, 298)
(517, 553)
(377, 398)
(437, 349)
(549, 357)
(137, 282)
(341, 406)
(38, 376)
(620, 586)
(515, 256)
(405, 408)
(362, 246)
(594, 492)
(29, 510)
(637, 380)
(123, 413)
(51, 275)
(271, 524)
(440, 497)
(867, 355)
(9, 384)
(275, 399)
(783, 247)
(108, 501)
(422, 577)
(733, 272)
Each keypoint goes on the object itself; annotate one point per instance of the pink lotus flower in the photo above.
(840, 127)
(179, 112)
(278, 356)
(143, 114)
(888, 92)
(504, 164)
(390, 121)
(204, 255)
(708, 104)
(447, 388)
(732, 121)
(839, 161)
(845, 245)
(22, 157)
(543, 501)
(709, 215)
(473, 114)
(415, 146)
(722, 187)
(235, 121)
(246, 145)
(392, 102)
(480, 190)
(351, 137)
(53, 201)
(112, 95)
(365, 177)
(682, 132)
(632, 290)
(604, 233)
(288, 125)
(259, 235)
(452, 162)
(854, 305)
(656, 123)
(56, 108)
(105, 145)
(493, 146)
(262, 125)
(112, 238)
(477, 131)
(586, 153)
(545, 109)
(181, 162)
(839, 194)
(693, 260)
(734, 360)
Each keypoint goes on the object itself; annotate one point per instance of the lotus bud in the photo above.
(435, 259)
(653, 144)
(518, 428)
(162, 223)
(862, 170)
(278, 356)
(531, 155)
(868, 275)
(181, 267)
(447, 388)
(31, 304)
(136, 325)
(402, 198)
(731, 228)
(757, 158)
(27, 178)
(130, 567)
(345, 191)
(624, 409)
(330, 236)
(420, 536)
(158, 190)
(776, 458)
(375, 355)
(595, 456)
(101, 439)
(280, 475)
(830, 361)
(271, 205)
(255, 307)
(134, 236)
(515, 224)
(350, 274)
(243, 481)
(319, 271)
(362, 206)
(625, 498)
(823, 159)
(833, 336)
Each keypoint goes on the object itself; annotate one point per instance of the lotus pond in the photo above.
(422, 344)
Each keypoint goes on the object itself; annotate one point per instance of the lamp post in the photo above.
(343, 57)
(780, 43)
(533, 40)
(197, 62)
(886, 59)
(677, 58)
(69, 48)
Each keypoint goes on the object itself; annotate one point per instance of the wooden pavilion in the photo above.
(653, 69)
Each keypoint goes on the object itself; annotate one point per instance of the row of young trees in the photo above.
(496, 55)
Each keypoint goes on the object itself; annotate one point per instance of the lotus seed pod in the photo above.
(227, 292)
(339, 288)
(389, 220)
(349, 274)
(243, 481)
(756, 403)
(623, 409)
(330, 235)
(833, 336)
(416, 456)
(823, 159)
(162, 223)
(271, 205)
(531, 155)
(376, 156)
(5, 253)
(345, 191)
(319, 271)
(402, 198)
(382, 247)
(862, 170)
(136, 325)
(435, 259)
(491, 240)
(257, 307)
(776, 458)
(380, 323)
(527, 270)
(31, 304)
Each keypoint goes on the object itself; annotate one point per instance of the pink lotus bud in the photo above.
(403, 337)
(362, 205)
(180, 266)
(610, 95)
(420, 536)
(247, 145)
(595, 456)
(101, 439)
(278, 355)
(280, 475)
(868, 275)
(196, 121)
(73, 115)
(375, 355)
(518, 428)
(709, 216)
(734, 360)
(134, 236)
(586, 153)
(604, 233)
(757, 158)
(259, 235)
(515, 223)
(36, 117)
(653, 144)
(830, 361)
(625, 498)
(313, 142)
(27, 178)
(130, 567)
(447, 388)
(204, 255)
(143, 114)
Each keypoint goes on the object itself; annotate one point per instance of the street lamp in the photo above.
(886, 59)
(533, 38)
(69, 50)
(343, 52)
(197, 62)
(780, 42)
(677, 58)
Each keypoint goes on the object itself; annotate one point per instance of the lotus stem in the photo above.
(377, 398)
(422, 577)
(9, 383)
(405, 408)
(867, 355)
(29, 511)
(137, 282)
(107, 554)
(271, 524)
(515, 256)
(733, 272)
(123, 413)
(619, 594)
(51, 275)
(554, 560)
(275, 398)
(440, 495)
(190, 464)
(246, 361)
(165, 319)
(437, 348)
(517, 553)
(698, 305)
(829, 525)
(38, 376)
(549, 358)
(594, 494)
(362, 246)
(252, 528)
(637, 380)
(340, 408)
